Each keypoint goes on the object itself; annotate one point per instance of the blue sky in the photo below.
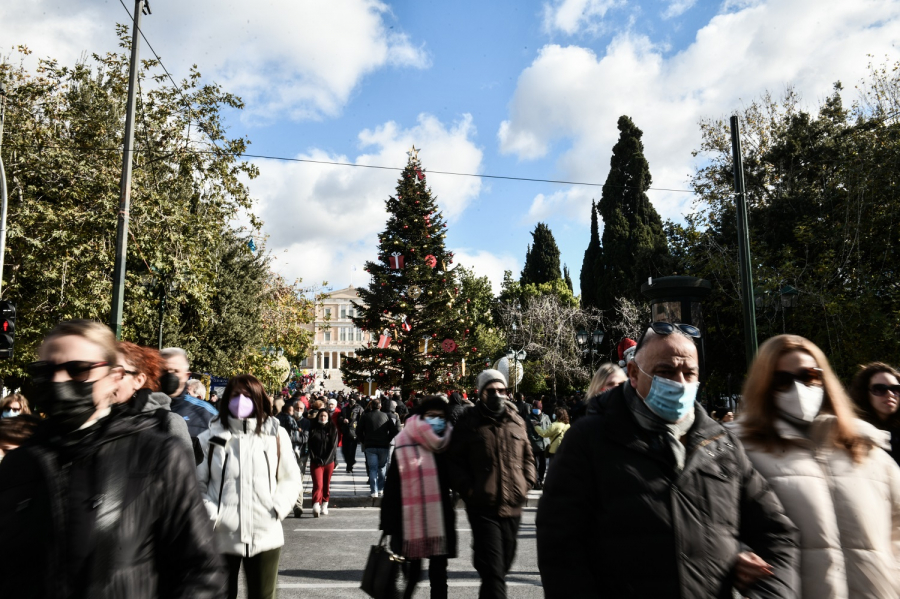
(526, 89)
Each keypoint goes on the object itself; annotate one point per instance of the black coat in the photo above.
(392, 505)
(645, 530)
(377, 429)
(323, 443)
(116, 514)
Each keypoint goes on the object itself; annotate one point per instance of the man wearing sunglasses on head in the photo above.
(99, 504)
(650, 497)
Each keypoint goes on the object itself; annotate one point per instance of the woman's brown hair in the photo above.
(759, 410)
(262, 407)
(859, 393)
(562, 415)
(146, 360)
(15, 397)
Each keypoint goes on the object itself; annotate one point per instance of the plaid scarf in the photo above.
(424, 532)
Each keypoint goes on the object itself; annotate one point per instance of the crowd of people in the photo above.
(119, 479)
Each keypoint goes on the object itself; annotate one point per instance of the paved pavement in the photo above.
(325, 557)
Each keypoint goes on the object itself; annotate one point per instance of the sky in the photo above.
(511, 88)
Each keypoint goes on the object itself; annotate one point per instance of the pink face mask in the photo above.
(240, 406)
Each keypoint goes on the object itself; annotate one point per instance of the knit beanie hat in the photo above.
(487, 377)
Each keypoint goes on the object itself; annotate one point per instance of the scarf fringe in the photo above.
(424, 548)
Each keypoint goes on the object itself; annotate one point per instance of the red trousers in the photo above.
(321, 481)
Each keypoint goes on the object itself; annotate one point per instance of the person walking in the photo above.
(249, 482)
(173, 381)
(539, 445)
(649, 497)
(417, 508)
(349, 422)
(323, 444)
(829, 470)
(288, 421)
(492, 469)
(376, 431)
(555, 432)
(389, 407)
(94, 504)
(876, 391)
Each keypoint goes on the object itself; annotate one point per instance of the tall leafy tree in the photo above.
(634, 243)
(590, 263)
(568, 278)
(412, 306)
(542, 258)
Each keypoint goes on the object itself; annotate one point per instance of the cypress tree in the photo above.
(634, 243)
(589, 264)
(568, 278)
(542, 258)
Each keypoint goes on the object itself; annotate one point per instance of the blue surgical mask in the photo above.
(670, 400)
(535, 411)
(437, 423)
(11, 413)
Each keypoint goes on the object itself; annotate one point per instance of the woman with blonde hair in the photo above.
(608, 375)
(13, 405)
(829, 470)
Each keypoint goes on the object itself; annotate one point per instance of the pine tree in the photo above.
(542, 258)
(589, 264)
(634, 243)
(411, 302)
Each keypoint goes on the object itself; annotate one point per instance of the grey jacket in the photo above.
(175, 425)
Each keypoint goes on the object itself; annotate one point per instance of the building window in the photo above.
(327, 312)
(343, 334)
(358, 335)
(351, 312)
(327, 335)
(343, 311)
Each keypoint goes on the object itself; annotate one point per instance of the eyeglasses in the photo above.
(43, 371)
(667, 328)
(879, 389)
(500, 391)
(811, 377)
(128, 372)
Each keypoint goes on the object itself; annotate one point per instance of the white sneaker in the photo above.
(316, 510)
(325, 509)
(380, 493)
(374, 495)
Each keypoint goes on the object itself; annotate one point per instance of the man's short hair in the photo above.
(171, 352)
(646, 335)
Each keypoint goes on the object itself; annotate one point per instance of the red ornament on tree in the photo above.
(430, 260)
(448, 345)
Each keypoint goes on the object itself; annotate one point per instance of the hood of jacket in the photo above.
(240, 426)
(157, 400)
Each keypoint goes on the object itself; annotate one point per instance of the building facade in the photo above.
(336, 337)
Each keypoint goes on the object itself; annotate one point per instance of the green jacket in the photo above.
(555, 433)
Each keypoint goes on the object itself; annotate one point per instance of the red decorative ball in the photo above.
(398, 359)
(392, 325)
(405, 227)
(417, 202)
(434, 334)
(474, 349)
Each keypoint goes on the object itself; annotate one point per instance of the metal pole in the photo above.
(162, 312)
(118, 296)
(3, 197)
(744, 265)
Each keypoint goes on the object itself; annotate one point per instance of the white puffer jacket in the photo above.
(848, 513)
(247, 490)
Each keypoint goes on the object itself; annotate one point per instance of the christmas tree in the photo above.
(412, 307)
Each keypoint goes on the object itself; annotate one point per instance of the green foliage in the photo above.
(186, 261)
(485, 335)
(568, 279)
(822, 211)
(590, 263)
(634, 245)
(415, 232)
(514, 291)
(541, 258)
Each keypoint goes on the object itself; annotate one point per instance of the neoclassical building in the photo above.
(335, 335)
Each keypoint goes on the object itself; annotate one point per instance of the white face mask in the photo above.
(800, 402)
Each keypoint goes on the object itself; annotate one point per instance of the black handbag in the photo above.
(383, 577)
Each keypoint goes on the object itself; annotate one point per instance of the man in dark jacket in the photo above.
(108, 510)
(196, 412)
(350, 416)
(539, 444)
(376, 430)
(664, 496)
(492, 469)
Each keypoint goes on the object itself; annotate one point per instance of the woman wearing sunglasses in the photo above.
(99, 505)
(876, 391)
(829, 470)
(249, 480)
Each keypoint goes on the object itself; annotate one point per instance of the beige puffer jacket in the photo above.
(848, 513)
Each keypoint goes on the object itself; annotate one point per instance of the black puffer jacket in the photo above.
(645, 530)
(323, 443)
(377, 429)
(113, 511)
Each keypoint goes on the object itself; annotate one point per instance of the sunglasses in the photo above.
(879, 389)
(811, 377)
(667, 328)
(43, 371)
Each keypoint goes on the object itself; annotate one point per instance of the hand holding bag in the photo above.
(383, 577)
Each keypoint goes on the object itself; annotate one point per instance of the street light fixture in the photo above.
(589, 342)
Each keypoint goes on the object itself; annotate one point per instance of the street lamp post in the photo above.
(592, 340)
(370, 380)
(516, 357)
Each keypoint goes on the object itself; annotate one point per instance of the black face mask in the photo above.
(68, 405)
(495, 401)
(169, 383)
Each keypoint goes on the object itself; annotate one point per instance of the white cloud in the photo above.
(574, 16)
(677, 8)
(486, 264)
(323, 220)
(571, 95)
(296, 58)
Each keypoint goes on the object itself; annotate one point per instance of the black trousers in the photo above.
(261, 572)
(540, 462)
(494, 549)
(348, 448)
(437, 576)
